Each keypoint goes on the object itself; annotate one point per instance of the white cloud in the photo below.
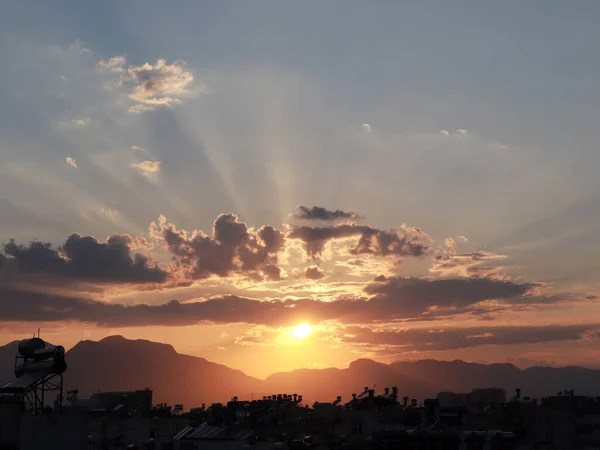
(147, 167)
(114, 64)
(70, 161)
(79, 122)
(150, 86)
(110, 213)
(135, 147)
(445, 132)
(367, 127)
(462, 132)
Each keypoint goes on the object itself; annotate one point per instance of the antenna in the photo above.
(38, 333)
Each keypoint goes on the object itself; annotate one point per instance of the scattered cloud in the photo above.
(319, 213)
(147, 167)
(368, 128)
(109, 213)
(405, 241)
(135, 147)
(71, 162)
(459, 132)
(455, 338)
(151, 86)
(114, 64)
(450, 264)
(79, 122)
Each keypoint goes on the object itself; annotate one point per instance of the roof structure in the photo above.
(212, 432)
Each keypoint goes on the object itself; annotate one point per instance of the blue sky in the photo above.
(482, 121)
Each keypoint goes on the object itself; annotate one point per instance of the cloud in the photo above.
(271, 272)
(455, 338)
(405, 241)
(445, 132)
(135, 147)
(109, 213)
(114, 64)
(257, 337)
(394, 300)
(151, 86)
(462, 132)
(450, 264)
(79, 122)
(85, 258)
(314, 273)
(233, 247)
(368, 128)
(147, 167)
(416, 297)
(319, 213)
(71, 162)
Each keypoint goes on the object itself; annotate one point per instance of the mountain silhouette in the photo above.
(119, 364)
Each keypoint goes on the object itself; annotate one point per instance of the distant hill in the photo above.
(425, 378)
(116, 363)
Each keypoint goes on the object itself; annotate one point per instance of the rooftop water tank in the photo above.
(27, 347)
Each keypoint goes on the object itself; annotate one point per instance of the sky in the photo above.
(274, 185)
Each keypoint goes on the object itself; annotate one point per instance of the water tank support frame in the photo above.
(35, 396)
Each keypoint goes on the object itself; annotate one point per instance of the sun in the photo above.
(302, 331)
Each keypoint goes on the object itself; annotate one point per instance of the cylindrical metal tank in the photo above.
(56, 352)
(52, 366)
(27, 347)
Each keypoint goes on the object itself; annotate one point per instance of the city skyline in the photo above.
(277, 186)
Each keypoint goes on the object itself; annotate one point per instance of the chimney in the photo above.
(518, 391)
(353, 396)
(387, 391)
(405, 401)
(371, 392)
(295, 397)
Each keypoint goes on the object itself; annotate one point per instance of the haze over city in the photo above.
(255, 184)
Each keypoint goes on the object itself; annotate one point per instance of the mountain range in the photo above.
(119, 364)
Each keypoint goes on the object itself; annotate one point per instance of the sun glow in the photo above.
(302, 330)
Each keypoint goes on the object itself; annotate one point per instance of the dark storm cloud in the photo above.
(406, 241)
(314, 273)
(407, 301)
(233, 246)
(86, 258)
(319, 213)
(424, 339)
